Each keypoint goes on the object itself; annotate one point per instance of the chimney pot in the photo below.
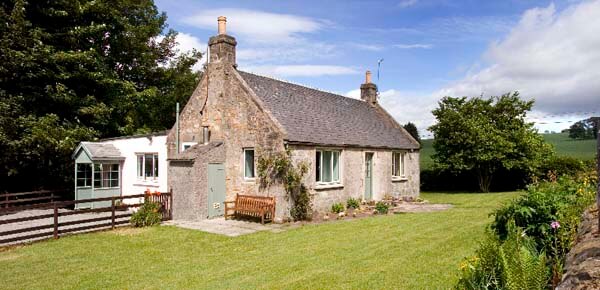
(222, 20)
(368, 90)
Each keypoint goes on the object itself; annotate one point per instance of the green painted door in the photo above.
(368, 176)
(216, 189)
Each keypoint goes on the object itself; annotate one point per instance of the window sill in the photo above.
(105, 188)
(328, 186)
(147, 184)
(249, 180)
(399, 179)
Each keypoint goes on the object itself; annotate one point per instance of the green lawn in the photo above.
(563, 145)
(409, 251)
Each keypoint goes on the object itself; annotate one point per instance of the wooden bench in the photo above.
(262, 207)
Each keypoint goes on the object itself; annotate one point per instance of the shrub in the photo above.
(562, 165)
(562, 200)
(352, 203)
(381, 207)
(279, 167)
(510, 264)
(337, 207)
(148, 215)
(545, 219)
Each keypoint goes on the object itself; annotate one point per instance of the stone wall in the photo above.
(353, 175)
(233, 115)
(189, 181)
(582, 265)
(411, 185)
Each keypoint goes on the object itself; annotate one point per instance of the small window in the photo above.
(187, 145)
(106, 175)
(328, 166)
(147, 166)
(84, 175)
(398, 164)
(249, 163)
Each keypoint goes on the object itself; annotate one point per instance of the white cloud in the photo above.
(370, 47)
(185, 43)
(298, 51)
(407, 3)
(406, 107)
(268, 38)
(301, 70)
(255, 25)
(550, 56)
(415, 45)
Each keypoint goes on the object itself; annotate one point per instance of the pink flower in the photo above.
(555, 225)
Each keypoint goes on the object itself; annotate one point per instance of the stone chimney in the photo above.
(222, 46)
(368, 90)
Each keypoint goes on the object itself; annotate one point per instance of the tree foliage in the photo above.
(74, 70)
(585, 129)
(484, 135)
(412, 130)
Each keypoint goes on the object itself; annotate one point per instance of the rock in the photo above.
(582, 265)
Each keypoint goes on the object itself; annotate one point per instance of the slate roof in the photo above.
(101, 151)
(317, 117)
(195, 151)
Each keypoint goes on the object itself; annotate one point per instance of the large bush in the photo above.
(541, 225)
(562, 200)
(485, 135)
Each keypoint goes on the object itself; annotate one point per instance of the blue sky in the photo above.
(545, 49)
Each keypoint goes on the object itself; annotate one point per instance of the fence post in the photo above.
(55, 220)
(598, 172)
(112, 219)
(171, 204)
(6, 204)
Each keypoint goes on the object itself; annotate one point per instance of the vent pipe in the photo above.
(205, 135)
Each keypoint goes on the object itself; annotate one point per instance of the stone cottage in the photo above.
(354, 148)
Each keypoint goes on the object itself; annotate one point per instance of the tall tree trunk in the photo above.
(484, 177)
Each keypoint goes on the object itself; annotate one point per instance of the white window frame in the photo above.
(155, 168)
(188, 145)
(340, 174)
(402, 164)
(253, 164)
(102, 179)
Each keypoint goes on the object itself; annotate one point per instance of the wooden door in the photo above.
(368, 176)
(216, 189)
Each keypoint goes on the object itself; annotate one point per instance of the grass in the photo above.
(408, 251)
(563, 145)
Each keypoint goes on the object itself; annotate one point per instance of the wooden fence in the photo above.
(119, 215)
(31, 197)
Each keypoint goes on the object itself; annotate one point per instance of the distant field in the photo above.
(564, 146)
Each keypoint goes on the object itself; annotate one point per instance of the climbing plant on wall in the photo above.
(279, 168)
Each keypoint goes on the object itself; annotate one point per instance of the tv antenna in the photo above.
(378, 67)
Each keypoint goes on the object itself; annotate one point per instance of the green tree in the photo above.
(484, 135)
(73, 70)
(585, 129)
(412, 130)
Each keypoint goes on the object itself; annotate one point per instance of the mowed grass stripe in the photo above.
(406, 251)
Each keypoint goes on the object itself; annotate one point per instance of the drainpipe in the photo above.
(205, 135)
(177, 126)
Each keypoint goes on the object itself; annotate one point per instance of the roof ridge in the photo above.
(297, 84)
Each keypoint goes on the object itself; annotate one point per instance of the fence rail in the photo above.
(19, 199)
(119, 215)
